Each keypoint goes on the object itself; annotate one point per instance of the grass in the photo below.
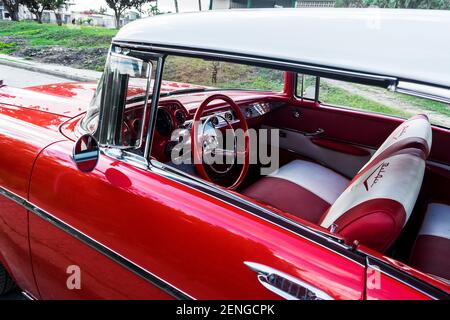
(229, 75)
(7, 48)
(340, 97)
(69, 36)
(426, 104)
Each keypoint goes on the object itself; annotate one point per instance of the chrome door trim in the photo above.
(99, 247)
(264, 274)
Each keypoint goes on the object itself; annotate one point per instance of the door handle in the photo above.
(284, 285)
(318, 132)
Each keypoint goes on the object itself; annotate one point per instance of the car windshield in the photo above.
(214, 74)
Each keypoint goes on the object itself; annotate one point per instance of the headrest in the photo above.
(413, 133)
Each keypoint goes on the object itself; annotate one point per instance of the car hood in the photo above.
(65, 99)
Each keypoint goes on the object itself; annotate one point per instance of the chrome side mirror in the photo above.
(85, 153)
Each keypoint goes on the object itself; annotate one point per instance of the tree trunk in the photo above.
(176, 6)
(200, 5)
(58, 18)
(38, 17)
(117, 16)
(13, 10)
(14, 15)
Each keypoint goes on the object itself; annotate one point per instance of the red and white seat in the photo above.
(303, 188)
(374, 206)
(379, 200)
(431, 253)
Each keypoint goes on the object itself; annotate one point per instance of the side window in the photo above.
(125, 99)
(379, 100)
(306, 86)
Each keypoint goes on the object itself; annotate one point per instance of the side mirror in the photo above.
(85, 153)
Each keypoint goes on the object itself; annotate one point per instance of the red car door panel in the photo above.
(55, 253)
(194, 242)
(23, 134)
(352, 126)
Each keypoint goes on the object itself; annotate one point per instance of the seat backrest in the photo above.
(412, 133)
(379, 200)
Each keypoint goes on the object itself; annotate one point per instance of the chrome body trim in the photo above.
(27, 295)
(265, 273)
(99, 247)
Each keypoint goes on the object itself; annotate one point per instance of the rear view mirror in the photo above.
(85, 153)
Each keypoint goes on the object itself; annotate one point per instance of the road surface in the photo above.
(20, 78)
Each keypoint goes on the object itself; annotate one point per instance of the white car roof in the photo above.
(410, 45)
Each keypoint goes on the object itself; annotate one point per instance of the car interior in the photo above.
(373, 178)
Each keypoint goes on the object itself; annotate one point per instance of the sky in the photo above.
(164, 5)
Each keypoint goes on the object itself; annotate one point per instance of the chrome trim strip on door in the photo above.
(101, 248)
(285, 285)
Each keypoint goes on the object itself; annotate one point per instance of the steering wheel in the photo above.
(204, 140)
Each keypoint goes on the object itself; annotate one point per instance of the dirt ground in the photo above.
(83, 58)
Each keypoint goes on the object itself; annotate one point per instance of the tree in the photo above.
(176, 6)
(55, 6)
(13, 8)
(154, 10)
(119, 7)
(199, 5)
(36, 7)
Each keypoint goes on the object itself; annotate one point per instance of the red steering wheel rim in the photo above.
(197, 149)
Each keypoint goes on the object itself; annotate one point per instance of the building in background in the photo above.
(23, 12)
(316, 4)
(93, 18)
(239, 4)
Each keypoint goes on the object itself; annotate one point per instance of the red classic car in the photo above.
(334, 182)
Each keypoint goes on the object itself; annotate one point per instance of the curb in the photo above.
(56, 73)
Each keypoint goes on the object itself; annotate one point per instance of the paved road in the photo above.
(22, 78)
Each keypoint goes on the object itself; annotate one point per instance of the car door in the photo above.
(133, 232)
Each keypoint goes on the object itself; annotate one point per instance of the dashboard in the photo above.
(174, 115)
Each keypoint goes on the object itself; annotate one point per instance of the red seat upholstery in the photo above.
(374, 206)
(303, 188)
(431, 253)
